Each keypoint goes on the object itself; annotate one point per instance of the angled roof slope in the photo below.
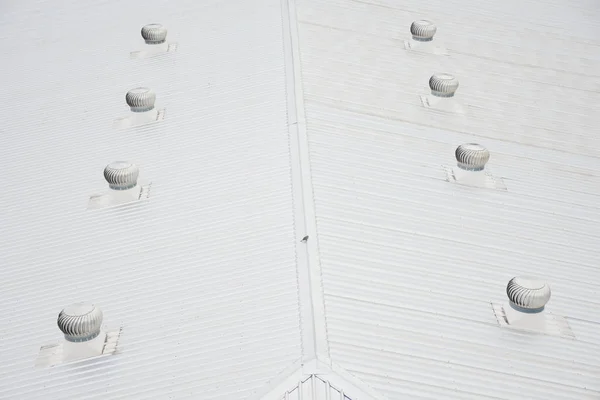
(201, 277)
(286, 120)
(410, 262)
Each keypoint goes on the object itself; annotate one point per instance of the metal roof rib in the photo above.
(312, 310)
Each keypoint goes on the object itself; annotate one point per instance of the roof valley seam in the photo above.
(310, 291)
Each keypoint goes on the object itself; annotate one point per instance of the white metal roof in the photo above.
(410, 262)
(289, 119)
(201, 276)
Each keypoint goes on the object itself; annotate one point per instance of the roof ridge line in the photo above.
(310, 291)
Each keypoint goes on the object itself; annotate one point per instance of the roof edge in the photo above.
(335, 378)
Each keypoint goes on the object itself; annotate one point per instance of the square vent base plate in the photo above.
(554, 325)
(51, 355)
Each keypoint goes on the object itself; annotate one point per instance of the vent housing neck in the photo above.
(527, 297)
(471, 160)
(81, 325)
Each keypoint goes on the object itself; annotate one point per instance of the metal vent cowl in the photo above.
(528, 294)
(154, 33)
(423, 30)
(443, 85)
(472, 157)
(80, 322)
(140, 99)
(121, 175)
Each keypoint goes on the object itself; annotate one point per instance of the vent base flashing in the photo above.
(54, 354)
(445, 104)
(113, 198)
(140, 119)
(480, 179)
(157, 50)
(542, 323)
(425, 47)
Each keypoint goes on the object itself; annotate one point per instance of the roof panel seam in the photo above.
(311, 302)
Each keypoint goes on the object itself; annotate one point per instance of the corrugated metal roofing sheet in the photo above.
(201, 277)
(410, 262)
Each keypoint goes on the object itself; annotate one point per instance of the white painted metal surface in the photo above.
(202, 275)
(289, 120)
(411, 262)
(314, 387)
